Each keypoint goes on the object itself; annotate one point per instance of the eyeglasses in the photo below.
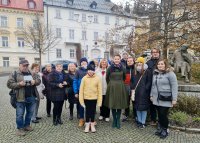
(25, 66)
(154, 52)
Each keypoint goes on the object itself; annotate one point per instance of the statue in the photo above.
(181, 60)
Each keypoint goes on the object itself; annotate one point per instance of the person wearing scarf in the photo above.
(57, 86)
(116, 94)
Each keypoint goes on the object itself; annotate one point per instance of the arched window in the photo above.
(5, 2)
(31, 4)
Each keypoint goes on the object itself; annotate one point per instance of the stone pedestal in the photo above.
(190, 89)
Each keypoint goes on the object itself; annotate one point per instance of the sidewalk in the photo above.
(69, 132)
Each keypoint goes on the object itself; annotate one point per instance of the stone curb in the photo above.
(193, 130)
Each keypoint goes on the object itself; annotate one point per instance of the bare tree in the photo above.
(172, 23)
(38, 37)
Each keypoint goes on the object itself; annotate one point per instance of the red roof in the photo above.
(23, 4)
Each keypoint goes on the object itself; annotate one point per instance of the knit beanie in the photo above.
(83, 59)
(91, 66)
(140, 60)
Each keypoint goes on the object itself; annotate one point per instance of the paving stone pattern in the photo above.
(45, 132)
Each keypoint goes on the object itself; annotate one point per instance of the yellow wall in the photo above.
(12, 32)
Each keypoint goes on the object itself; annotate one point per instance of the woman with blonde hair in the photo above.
(35, 67)
(101, 72)
(71, 96)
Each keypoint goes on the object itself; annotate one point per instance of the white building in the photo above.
(80, 24)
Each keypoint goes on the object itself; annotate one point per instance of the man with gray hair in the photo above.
(24, 83)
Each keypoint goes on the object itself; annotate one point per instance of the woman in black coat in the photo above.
(45, 81)
(57, 84)
(142, 91)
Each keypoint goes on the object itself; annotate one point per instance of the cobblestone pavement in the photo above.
(45, 132)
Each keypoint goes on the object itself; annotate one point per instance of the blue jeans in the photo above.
(141, 116)
(29, 106)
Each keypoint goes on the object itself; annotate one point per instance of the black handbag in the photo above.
(163, 95)
(12, 93)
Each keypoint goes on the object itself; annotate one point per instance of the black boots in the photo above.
(163, 133)
(116, 118)
(57, 120)
(159, 130)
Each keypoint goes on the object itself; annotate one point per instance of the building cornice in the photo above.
(21, 11)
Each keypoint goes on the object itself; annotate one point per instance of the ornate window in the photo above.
(31, 4)
(5, 2)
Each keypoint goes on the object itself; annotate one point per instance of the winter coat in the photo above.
(56, 93)
(166, 81)
(116, 94)
(91, 89)
(20, 91)
(142, 92)
(70, 92)
(152, 65)
(80, 73)
(45, 81)
(103, 79)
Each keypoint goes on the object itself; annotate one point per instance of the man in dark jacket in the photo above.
(155, 55)
(124, 60)
(128, 83)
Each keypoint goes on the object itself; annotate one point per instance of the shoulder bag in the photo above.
(163, 95)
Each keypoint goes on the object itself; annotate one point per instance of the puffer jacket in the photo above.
(80, 73)
(20, 91)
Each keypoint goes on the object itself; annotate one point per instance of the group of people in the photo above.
(151, 86)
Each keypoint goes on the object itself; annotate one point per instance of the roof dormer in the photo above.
(93, 5)
(70, 2)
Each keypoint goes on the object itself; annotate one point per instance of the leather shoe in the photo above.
(38, 118)
(35, 121)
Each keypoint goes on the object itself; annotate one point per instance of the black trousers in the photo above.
(104, 111)
(163, 116)
(71, 108)
(48, 106)
(90, 106)
(57, 109)
(153, 112)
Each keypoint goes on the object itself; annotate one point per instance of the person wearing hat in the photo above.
(90, 95)
(24, 82)
(142, 87)
(80, 73)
